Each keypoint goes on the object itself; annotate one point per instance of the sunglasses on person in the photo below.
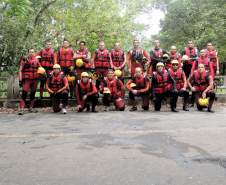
(174, 64)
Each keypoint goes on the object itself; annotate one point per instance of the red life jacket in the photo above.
(190, 53)
(174, 56)
(84, 88)
(117, 57)
(162, 82)
(178, 77)
(140, 82)
(212, 55)
(201, 82)
(29, 68)
(47, 57)
(102, 59)
(204, 61)
(82, 52)
(86, 53)
(168, 65)
(66, 57)
(56, 82)
(113, 85)
(158, 53)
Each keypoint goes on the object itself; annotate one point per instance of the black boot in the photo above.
(185, 108)
(174, 110)
(87, 108)
(209, 110)
(134, 108)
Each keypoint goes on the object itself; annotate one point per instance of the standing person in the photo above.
(192, 52)
(156, 55)
(113, 91)
(86, 93)
(101, 60)
(181, 84)
(212, 54)
(163, 86)
(118, 60)
(201, 83)
(139, 86)
(57, 86)
(46, 58)
(174, 55)
(65, 58)
(137, 57)
(82, 59)
(203, 59)
(28, 79)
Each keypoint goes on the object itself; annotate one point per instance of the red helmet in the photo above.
(120, 104)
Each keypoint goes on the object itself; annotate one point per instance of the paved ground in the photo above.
(115, 148)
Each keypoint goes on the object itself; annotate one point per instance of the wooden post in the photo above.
(13, 90)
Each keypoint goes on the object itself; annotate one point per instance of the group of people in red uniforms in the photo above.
(154, 76)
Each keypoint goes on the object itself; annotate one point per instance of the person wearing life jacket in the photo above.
(65, 58)
(28, 79)
(181, 84)
(137, 57)
(139, 86)
(166, 61)
(192, 52)
(86, 93)
(201, 83)
(203, 59)
(118, 59)
(173, 55)
(57, 86)
(156, 55)
(163, 86)
(113, 91)
(101, 60)
(212, 54)
(83, 54)
(46, 58)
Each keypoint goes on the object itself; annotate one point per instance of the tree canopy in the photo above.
(201, 21)
(28, 23)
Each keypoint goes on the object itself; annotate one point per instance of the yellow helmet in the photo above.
(118, 73)
(41, 71)
(185, 58)
(84, 74)
(106, 90)
(56, 66)
(132, 85)
(204, 102)
(94, 76)
(174, 62)
(159, 64)
(70, 78)
(79, 62)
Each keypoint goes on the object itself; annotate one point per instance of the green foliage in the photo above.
(201, 21)
(28, 23)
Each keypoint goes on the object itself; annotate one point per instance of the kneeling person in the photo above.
(113, 91)
(86, 92)
(57, 86)
(201, 83)
(139, 85)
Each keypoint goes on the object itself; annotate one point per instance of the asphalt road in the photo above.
(113, 148)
